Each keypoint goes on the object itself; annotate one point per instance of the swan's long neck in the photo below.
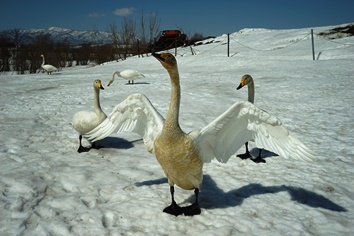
(96, 101)
(111, 81)
(171, 121)
(43, 61)
(251, 92)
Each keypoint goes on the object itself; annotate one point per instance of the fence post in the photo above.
(228, 45)
(175, 48)
(138, 45)
(313, 45)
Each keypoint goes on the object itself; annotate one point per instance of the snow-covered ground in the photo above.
(47, 188)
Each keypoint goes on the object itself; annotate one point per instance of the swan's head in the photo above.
(111, 81)
(42, 55)
(167, 60)
(97, 84)
(245, 80)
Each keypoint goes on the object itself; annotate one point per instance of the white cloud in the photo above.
(124, 11)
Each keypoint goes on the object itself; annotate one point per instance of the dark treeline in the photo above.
(128, 40)
(26, 57)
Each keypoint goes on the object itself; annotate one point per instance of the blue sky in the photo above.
(207, 17)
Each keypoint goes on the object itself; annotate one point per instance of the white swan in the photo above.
(129, 75)
(85, 121)
(182, 155)
(48, 68)
(248, 80)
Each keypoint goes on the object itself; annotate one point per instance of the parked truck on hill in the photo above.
(169, 39)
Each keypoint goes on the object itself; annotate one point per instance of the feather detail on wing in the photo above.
(135, 114)
(243, 122)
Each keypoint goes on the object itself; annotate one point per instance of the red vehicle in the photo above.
(169, 39)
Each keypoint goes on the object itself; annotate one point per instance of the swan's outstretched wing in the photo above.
(135, 114)
(243, 122)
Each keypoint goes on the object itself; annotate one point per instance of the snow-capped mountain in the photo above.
(74, 37)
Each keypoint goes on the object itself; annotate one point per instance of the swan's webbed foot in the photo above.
(192, 210)
(245, 156)
(248, 155)
(174, 209)
(259, 159)
(83, 149)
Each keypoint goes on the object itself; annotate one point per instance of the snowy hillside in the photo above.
(47, 188)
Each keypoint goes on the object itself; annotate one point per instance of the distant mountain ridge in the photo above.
(57, 34)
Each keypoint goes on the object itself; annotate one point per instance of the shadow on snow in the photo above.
(117, 143)
(211, 196)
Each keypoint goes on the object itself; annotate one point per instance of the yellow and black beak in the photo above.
(100, 86)
(158, 56)
(242, 83)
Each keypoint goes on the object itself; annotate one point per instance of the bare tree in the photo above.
(63, 52)
(128, 35)
(154, 27)
(130, 41)
(19, 60)
(149, 28)
(141, 42)
(5, 55)
(115, 38)
(82, 54)
(142, 35)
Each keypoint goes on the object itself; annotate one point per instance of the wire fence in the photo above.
(273, 49)
(227, 41)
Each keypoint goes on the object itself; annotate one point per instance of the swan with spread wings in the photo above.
(182, 155)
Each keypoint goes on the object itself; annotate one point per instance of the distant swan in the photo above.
(248, 80)
(85, 121)
(182, 155)
(129, 75)
(48, 68)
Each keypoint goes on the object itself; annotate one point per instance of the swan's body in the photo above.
(48, 68)
(129, 75)
(85, 121)
(182, 155)
(248, 80)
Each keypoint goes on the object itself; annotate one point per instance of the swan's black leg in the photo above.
(245, 155)
(259, 159)
(82, 148)
(193, 209)
(173, 209)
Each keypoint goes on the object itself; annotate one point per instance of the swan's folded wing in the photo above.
(243, 122)
(135, 114)
(132, 74)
